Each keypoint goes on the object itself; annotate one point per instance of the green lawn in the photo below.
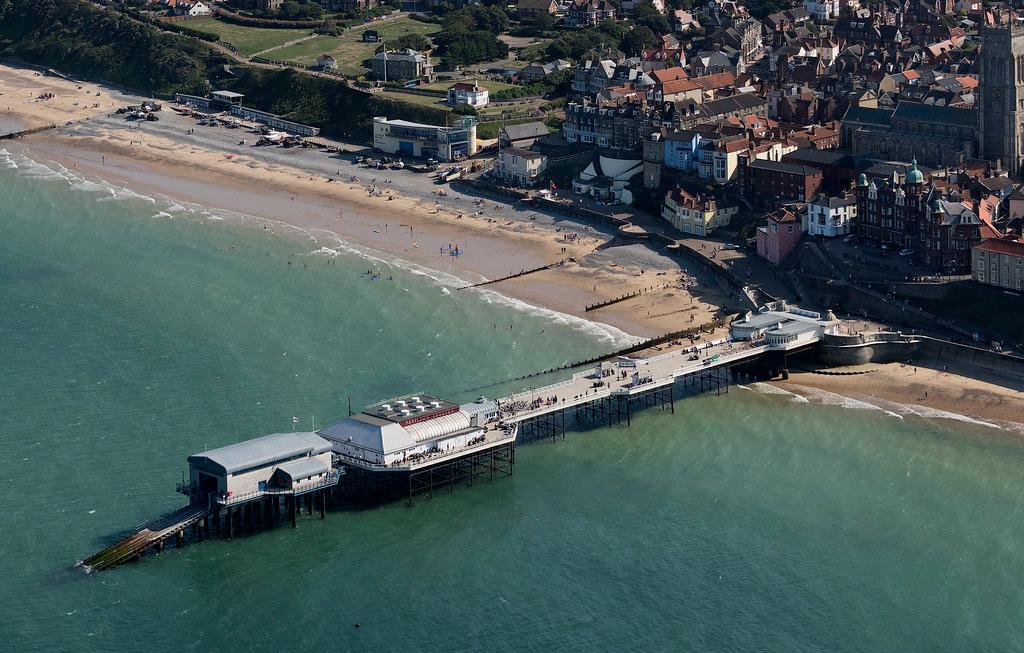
(247, 40)
(425, 100)
(491, 86)
(534, 51)
(348, 49)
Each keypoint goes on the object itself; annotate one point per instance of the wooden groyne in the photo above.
(27, 132)
(637, 293)
(521, 273)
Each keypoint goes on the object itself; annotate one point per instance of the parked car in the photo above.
(906, 252)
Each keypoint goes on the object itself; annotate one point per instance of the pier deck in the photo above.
(626, 378)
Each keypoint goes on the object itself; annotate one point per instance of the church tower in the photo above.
(1001, 94)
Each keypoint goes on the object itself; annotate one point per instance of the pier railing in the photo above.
(433, 456)
(331, 479)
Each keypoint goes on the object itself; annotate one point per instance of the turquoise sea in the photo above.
(134, 332)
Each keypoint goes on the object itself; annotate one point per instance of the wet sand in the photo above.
(925, 388)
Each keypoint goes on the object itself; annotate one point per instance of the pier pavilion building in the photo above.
(413, 444)
(784, 326)
(415, 431)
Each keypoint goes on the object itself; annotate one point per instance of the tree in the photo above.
(646, 14)
(300, 10)
(465, 48)
(637, 40)
(572, 45)
(477, 17)
(416, 42)
(542, 22)
(613, 29)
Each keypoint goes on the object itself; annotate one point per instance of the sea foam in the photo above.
(167, 205)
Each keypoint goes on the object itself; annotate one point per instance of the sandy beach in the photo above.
(925, 388)
(397, 213)
(332, 202)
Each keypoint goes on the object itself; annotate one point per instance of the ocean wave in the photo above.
(601, 332)
(7, 161)
(168, 205)
(36, 170)
(827, 398)
(928, 412)
(768, 389)
(77, 181)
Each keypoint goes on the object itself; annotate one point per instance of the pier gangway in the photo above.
(155, 534)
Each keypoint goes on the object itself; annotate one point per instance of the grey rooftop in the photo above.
(262, 451)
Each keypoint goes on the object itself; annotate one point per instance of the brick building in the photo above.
(938, 225)
(778, 236)
(772, 181)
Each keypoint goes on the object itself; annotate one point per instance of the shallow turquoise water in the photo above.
(742, 522)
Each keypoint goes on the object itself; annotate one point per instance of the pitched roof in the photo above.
(669, 74)
(1002, 246)
(933, 113)
(465, 86)
(868, 115)
(732, 103)
(716, 80)
(679, 86)
(534, 4)
(522, 153)
(263, 451)
(525, 130)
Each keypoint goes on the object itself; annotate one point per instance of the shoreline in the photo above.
(291, 190)
(927, 388)
(329, 197)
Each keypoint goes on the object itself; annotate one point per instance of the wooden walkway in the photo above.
(135, 545)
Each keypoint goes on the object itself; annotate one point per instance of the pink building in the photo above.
(777, 238)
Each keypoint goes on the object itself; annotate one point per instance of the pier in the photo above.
(418, 445)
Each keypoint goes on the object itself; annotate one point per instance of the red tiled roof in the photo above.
(1001, 246)
(781, 215)
(717, 80)
(679, 86)
(669, 74)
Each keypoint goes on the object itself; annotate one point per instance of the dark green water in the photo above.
(747, 522)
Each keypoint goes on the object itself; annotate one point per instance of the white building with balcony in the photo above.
(830, 216)
(473, 95)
